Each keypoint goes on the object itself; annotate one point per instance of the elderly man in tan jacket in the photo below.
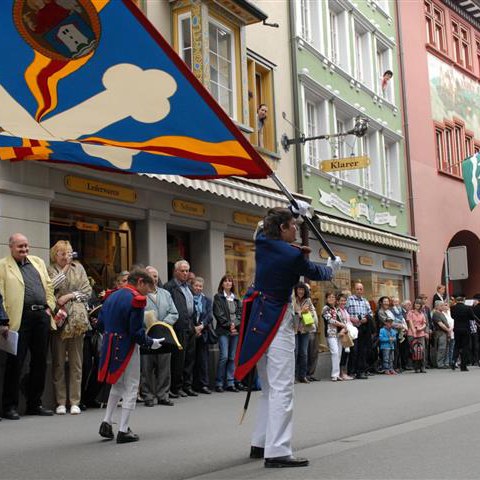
(28, 300)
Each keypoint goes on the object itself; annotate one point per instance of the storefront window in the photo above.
(104, 246)
(240, 262)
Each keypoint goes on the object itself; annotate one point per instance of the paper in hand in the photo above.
(10, 343)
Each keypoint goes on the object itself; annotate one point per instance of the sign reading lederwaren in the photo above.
(100, 189)
(349, 163)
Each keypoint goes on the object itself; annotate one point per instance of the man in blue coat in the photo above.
(121, 320)
(267, 338)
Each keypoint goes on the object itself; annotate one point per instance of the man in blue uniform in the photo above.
(267, 338)
(121, 318)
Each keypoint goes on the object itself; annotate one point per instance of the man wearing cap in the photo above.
(28, 299)
(267, 338)
(121, 318)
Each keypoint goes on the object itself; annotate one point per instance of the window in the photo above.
(384, 63)
(440, 147)
(305, 16)
(392, 170)
(260, 91)
(363, 69)
(240, 263)
(367, 181)
(477, 45)
(476, 147)
(435, 24)
(185, 38)
(312, 129)
(468, 143)
(449, 159)
(222, 75)
(333, 54)
(461, 45)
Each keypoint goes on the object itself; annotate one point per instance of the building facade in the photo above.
(441, 52)
(341, 50)
(115, 220)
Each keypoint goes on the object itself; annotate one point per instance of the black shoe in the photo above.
(182, 394)
(127, 437)
(190, 392)
(362, 376)
(284, 462)
(205, 390)
(312, 379)
(40, 411)
(257, 452)
(231, 388)
(11, 414)
(219, 389)
(166, 402)
(173, 395)
(148, 403)
(241, 387)
(465, 369)
(422, 370)
(106, 431)
(82, 407)
(93, 404)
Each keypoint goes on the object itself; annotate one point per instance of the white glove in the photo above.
(302, 208)
(157, 343)
(335, 265)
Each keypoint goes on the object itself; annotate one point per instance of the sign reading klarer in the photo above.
(349, 163)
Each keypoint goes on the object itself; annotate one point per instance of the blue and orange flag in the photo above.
(93, 83)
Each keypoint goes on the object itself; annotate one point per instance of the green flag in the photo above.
(471, 175)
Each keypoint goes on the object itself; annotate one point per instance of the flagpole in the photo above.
(313, 228)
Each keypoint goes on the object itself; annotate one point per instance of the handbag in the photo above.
(211, 337)
(307, 319)
(346, 340)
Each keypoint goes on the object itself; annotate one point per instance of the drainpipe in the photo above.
(407, 145)
(296, 109)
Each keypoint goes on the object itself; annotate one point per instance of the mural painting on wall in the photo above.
(453, 94)
(355, 209)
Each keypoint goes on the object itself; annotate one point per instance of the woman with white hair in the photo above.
(72, 290)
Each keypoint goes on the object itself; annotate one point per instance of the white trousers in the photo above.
(335, 346)
(127, 385)
(276, 370)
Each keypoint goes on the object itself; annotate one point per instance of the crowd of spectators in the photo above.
(56, 307)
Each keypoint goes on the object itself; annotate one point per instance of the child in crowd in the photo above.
(387, 338)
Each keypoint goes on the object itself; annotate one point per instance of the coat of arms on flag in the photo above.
(91, 82)
(471, 175)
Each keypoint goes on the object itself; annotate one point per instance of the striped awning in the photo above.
(243, 191)
(356, 231)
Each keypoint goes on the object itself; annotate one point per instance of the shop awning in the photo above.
(356, 231)
(234, 189)
(255, 194)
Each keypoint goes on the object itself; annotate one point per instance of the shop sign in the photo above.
(349, 163)
(355, 209)
(246, 219)
(367, 261)
(100, 189)
(324, 254)
(189, 208)
(389, 265)
(88, 227)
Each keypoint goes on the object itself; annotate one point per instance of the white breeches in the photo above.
(276, 370)
(127, 385)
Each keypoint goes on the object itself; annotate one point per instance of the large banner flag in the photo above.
(92, 82)
(471, 175)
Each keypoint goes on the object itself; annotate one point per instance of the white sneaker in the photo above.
(75, 410)
(61, 410)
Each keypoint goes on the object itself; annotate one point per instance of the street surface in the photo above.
(411, 426)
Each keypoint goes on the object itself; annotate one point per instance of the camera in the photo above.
(74, 255)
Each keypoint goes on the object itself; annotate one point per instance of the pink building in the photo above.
(440, 42)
